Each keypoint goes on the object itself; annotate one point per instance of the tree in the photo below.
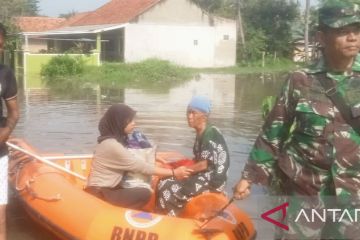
(31, 8)
(15, 8)
(274, 18)
(68, 15)
(299, 33)
(223, 8)
(255, 46)
(265, 24)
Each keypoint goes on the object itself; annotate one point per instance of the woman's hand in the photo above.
(182, 172)
(242, 189)
(170, 156)
(161, 160)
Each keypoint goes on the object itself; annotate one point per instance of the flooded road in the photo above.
(67, 123)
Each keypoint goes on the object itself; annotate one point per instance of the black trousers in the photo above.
(134, 198)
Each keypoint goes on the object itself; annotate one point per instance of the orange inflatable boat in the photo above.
(50, 188)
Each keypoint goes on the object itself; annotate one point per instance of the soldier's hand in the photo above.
(242, 189)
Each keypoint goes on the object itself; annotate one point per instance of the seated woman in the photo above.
(112, 160)
(210, 167)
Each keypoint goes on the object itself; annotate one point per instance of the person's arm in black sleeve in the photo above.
(10, 97)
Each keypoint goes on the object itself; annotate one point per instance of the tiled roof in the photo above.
(38, 24)
(80, 29)
(116, 11)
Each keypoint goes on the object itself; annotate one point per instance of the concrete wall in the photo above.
(34, 62)
(178, 31)
(225, 44)
(187, 46)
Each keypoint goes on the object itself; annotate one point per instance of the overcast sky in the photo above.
(53, 8)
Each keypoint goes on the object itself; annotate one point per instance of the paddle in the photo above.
(47, 162)
(217, 213)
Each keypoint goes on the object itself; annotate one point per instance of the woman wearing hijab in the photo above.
(112, 160)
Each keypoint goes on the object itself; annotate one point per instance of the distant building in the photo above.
(299, 51)
(135, 30)
(37, 24)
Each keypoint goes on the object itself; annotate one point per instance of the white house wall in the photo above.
(225, 45)
(168, 31)
(191, 46)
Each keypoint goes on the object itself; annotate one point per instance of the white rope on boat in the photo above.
(69, 157)
(44, 160)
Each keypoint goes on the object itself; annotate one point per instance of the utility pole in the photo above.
(240, 28)
(306, 37)
(239, 31)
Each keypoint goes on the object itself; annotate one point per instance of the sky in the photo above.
(53, 8)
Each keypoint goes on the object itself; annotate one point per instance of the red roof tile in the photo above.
(116, 11)
(38, 24)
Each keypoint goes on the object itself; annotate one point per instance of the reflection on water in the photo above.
(68, 123)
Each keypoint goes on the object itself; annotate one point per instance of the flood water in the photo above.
(67, 122)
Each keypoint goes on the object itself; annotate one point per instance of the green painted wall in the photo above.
(34, 62)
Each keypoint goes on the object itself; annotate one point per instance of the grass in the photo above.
(271, 66)
(146, 74)
(152, 74)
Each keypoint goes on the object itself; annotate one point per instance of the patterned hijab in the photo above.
(114, 122)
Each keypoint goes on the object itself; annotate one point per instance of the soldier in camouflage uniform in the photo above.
(305, 143)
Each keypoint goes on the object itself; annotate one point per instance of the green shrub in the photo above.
(158, 71)
(62, 66)
(255, 46)
(151, 73)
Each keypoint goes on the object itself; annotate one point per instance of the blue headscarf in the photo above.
(200, 103)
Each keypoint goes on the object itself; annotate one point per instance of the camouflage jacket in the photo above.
(305, 141)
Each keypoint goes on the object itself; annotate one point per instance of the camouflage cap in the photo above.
(339, 13)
